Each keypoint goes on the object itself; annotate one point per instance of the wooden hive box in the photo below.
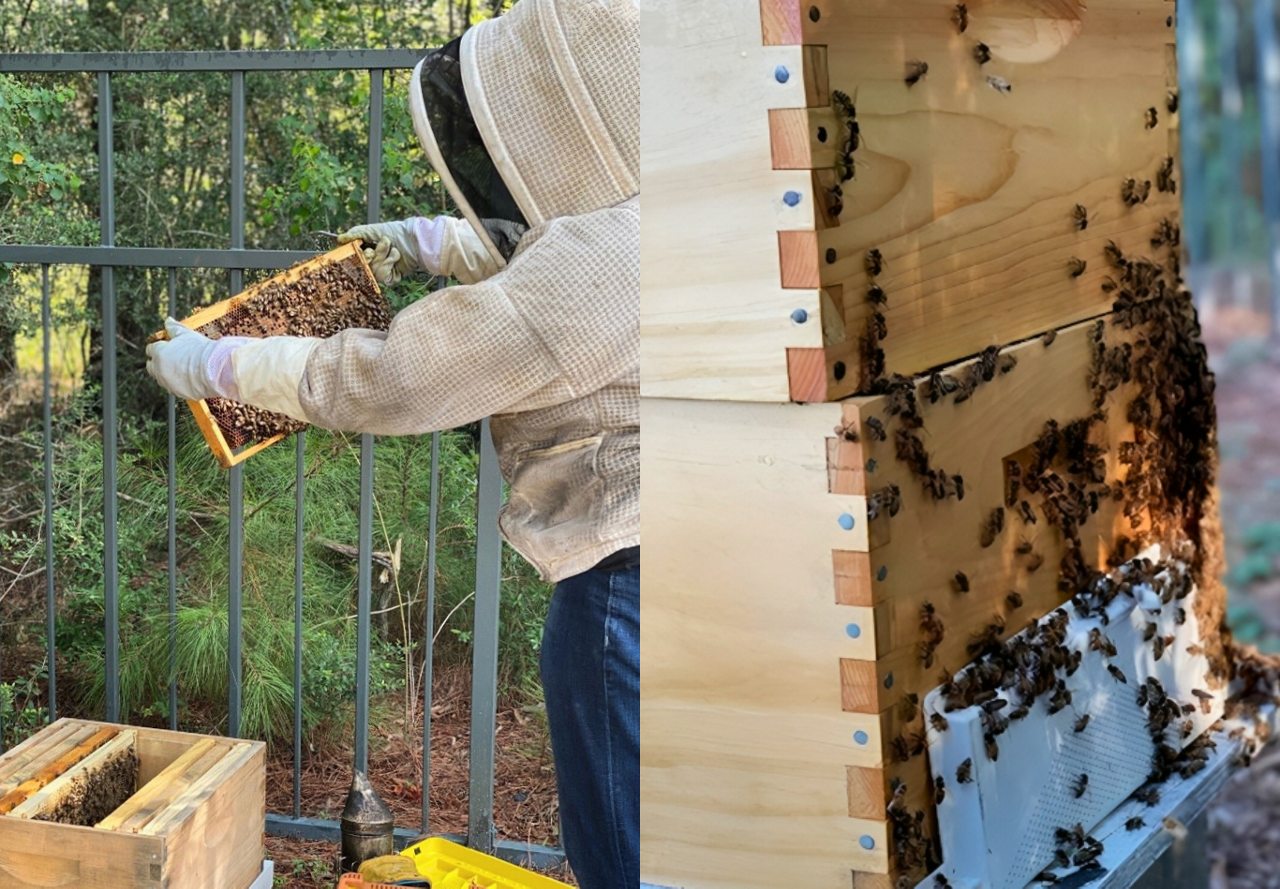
(756, 289)
(194, 822)
(802, 591)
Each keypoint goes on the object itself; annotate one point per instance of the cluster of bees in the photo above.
(887, 500)
(93, 794)
(876, 330)
(915, 70)
(912, 846)
(326, 300)
(847, 112)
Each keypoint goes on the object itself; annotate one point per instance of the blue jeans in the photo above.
(591, 678)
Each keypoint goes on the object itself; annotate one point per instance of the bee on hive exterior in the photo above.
(1164, 177)
(1148, 795)
(1013, 481)
(876, 295)
(939, 722)
(992, 527)
(1133, 192)
(877, 428)
(874, 262)
(1171, 101)
(1014, 600)
(1077, 266)
(981, 53)
(961, 17)
(915, 72)
(939, 789)
(999, 84)
(1028, 515)
(1134, 824)
(961, 582)
(993, 749)
(1080, 785)
(1081, 723)
(1099, 642)
(1152, 118)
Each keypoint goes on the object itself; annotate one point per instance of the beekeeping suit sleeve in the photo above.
(557, 324)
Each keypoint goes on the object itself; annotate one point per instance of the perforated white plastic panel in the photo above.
(999, 829)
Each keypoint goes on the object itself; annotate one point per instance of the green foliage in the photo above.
(401, 496)
(306, 156)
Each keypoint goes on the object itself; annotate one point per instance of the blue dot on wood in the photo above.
(853, 630)
(866, 842)
(888, 681)
(883, 572)
(791, 198)
(861, 737)
(871, 465)
(799, 316)
(846, 521)
(781, 74)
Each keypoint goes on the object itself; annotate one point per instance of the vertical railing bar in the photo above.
(429, 630)
(110, 516)
(1264, 25)
(484, 663)
(235, 586)
(173, 528)
(50, 600)
(298, 513)
(364, 575)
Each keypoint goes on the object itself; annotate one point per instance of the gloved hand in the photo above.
(395, 250)
(192, 366)
(441, 245)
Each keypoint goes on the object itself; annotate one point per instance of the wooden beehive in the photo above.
(792, 549)
(968, 193)
(194, 818)
(319, 297)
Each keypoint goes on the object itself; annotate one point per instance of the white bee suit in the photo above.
(549, 343)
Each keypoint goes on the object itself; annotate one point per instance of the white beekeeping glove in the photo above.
(441, 245)
(192, 366)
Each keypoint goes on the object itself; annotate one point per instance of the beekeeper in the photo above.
(532, 122)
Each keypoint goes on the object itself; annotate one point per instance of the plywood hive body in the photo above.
(784, 648)
(191, 816)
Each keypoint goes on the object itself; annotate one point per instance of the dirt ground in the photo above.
(1244, 821)
(525, 804)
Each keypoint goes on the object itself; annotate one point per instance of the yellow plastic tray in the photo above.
(450, 866)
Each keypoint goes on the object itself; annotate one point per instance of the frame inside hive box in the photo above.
(105, 806)
(319, 297)
(796, 622)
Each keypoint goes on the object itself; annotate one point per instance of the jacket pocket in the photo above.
(556, 501)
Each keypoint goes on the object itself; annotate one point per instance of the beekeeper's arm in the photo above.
(441, 245)
(556, 324)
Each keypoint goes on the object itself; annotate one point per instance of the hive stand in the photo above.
(782, 648)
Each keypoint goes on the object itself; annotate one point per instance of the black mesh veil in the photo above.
(463, 149)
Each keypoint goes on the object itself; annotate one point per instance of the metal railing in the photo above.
(107, 256)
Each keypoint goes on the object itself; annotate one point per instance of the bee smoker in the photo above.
(368, 827)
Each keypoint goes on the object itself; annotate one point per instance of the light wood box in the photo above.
(968, 192)
(195, 822)
(779, 646)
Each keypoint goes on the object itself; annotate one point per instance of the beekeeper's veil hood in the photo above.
(535, 114)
